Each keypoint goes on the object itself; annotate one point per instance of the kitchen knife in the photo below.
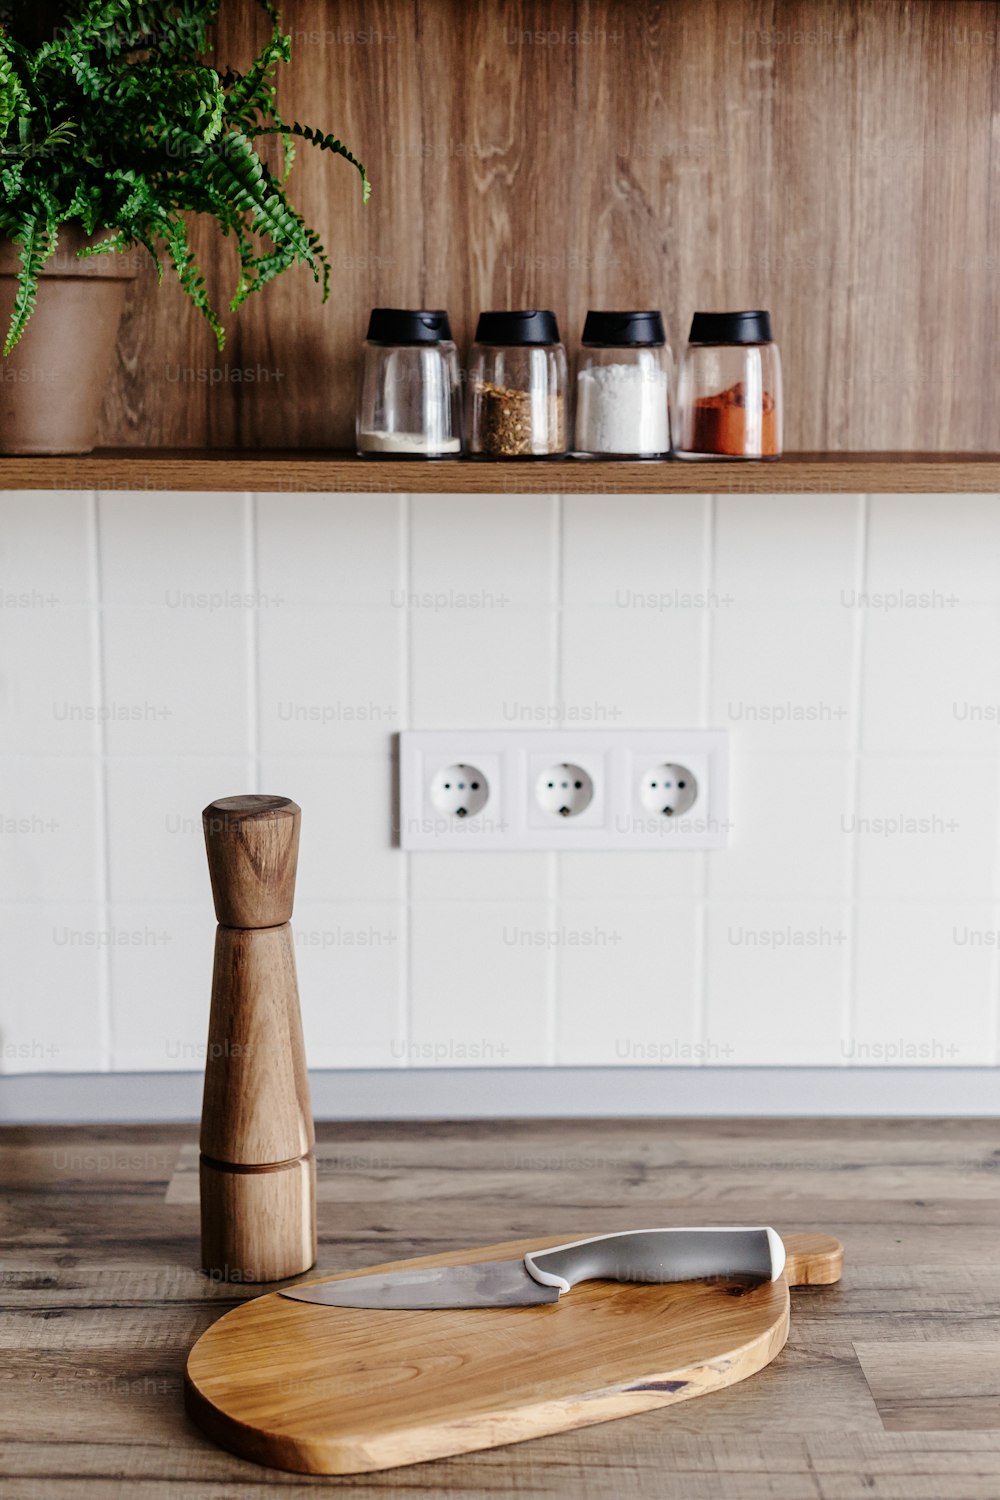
(641, 1255)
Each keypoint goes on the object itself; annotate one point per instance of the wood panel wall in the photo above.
(835, 160)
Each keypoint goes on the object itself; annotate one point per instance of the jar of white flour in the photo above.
(623, 379)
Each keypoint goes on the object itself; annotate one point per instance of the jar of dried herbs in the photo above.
(517, 387)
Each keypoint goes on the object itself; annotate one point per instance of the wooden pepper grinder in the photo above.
(258, 1171)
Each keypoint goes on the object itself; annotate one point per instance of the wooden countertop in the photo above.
(887, 1387)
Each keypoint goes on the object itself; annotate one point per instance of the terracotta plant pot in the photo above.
(53, 384)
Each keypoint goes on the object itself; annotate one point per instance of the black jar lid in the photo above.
(619, 330)
(529, 326)
(407, 325)
(730, 328)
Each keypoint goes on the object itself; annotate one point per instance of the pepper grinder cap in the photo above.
(252, 843)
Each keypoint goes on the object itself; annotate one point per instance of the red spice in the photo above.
(720, 425)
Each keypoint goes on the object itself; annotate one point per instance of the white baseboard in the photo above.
(483, 1093)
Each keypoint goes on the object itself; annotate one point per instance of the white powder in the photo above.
(406, 442)
(622, 409)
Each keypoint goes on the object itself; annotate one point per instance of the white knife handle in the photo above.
(659, 1255)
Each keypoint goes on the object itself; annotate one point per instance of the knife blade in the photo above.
(640, 1255)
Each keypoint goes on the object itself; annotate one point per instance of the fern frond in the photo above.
(239, 172)
(104, 247)
(265, 268)
(254, 92)
(35, 244)
(324, 142)
(191, 279)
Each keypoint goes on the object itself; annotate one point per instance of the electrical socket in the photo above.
(459, 791)
(563, 789)
(668, 791)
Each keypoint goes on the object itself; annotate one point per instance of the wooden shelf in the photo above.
(796, 473)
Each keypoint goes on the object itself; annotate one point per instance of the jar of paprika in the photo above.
(729, 391)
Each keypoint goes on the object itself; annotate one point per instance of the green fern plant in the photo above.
(112, 117)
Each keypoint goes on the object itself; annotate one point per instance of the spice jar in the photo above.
(623, 386)
(408, 404)
(729, 391)
(517, 386)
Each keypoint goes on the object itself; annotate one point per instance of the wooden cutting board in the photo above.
(338, 1390)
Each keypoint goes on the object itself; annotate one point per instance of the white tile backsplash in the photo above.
(931, 681)
(481, 554)
(489, 876)
(774, 983)
(50, 817)
(627, 983)
(480, 976)
(631, 875)
(633, 666)
(161, 974)
(331, 680)
(664, 574)
(158, 651)
(53, 997)
(926, 985)
(784, 678)
(50, 697)
(351, 962)
(791, 829)
(494, 667)
(354, 553)
(481, 610)
(942, 548)
(46, 550)
(782, 549)
(176, 680)
(635, 618)
(174, 550)
(926, 829)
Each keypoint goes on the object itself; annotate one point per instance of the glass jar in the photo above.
(517, 387)
(729, 391)
(408, 404)
(623, 386)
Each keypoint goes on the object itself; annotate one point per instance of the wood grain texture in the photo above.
(296, 473)
(813, 1260)
(258, 1225)
(255, 1108)
(252, 843)
(101, 1299)
(338, 1390)
(257, 1176)
(833, 160)
(257, 1179)
(946, 1386)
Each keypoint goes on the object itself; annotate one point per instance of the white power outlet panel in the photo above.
(564, 789)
